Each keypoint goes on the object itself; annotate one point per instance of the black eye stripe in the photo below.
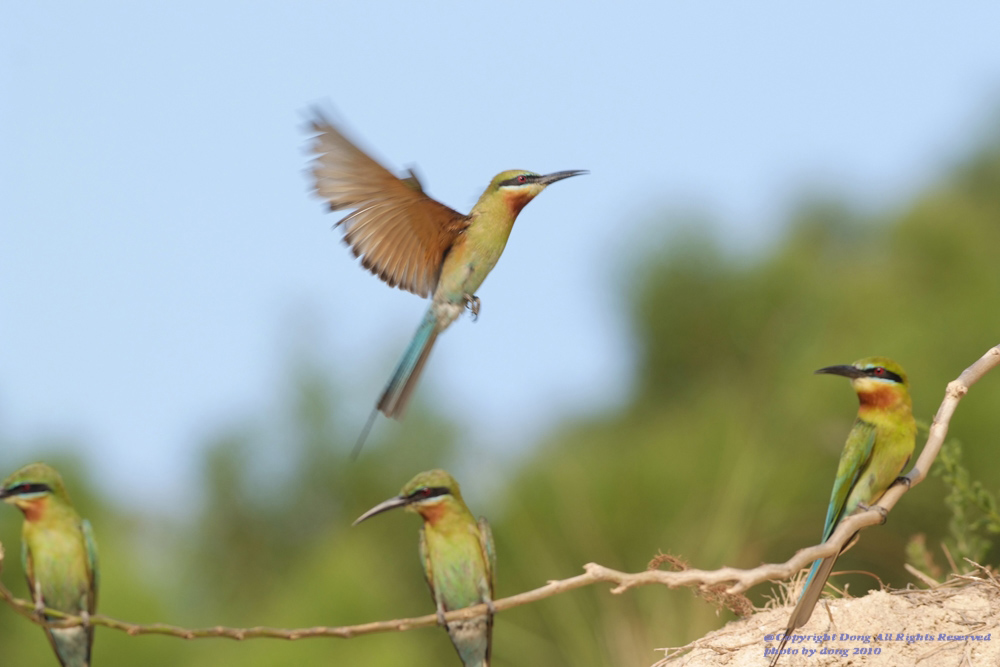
(426, 492)
(28, 487)
(515, 181)
(886, 374)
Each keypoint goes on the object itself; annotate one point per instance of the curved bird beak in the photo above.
(549, 179)
(392, 503)
(846, 370)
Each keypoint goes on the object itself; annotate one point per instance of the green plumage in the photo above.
(458, 558)
(878, 447)
(416, 243)
(466, 263)
(59, 555)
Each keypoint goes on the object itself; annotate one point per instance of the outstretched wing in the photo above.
(400, 234)
(857, 453)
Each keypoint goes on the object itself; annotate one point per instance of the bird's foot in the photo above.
(878, 508)
(85, 618)
(440, 615)
(472, 302)
(905, 479)
(491, 606)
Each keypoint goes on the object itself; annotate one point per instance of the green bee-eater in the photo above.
(59, 556)
(458, 558)
(878, 447)
(416, 243)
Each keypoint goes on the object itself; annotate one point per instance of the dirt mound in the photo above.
(955, 624)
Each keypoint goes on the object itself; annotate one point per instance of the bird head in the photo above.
(430, 494)
(878, 381)
(31, 487)
(517, 187)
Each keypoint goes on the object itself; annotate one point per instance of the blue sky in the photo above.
(161, 259)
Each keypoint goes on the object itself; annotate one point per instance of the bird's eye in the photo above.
(878, 371)
(423, 493)
(522, 179)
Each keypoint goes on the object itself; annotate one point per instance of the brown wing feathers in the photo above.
(400, 234)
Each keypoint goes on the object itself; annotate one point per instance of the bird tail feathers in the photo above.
(404, 379)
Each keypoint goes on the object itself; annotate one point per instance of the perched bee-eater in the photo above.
(878, 447)
(59, 556)
(458, 558)
(416, 243)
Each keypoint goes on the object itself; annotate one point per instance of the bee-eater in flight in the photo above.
(878, 447)
(59, 556)
(458, 558)
(416, 243)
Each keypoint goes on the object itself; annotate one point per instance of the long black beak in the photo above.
(549, 179)
(846, 370)
(392, 503)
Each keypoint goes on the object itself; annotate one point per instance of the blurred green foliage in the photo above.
(724, 454)
(974, 517)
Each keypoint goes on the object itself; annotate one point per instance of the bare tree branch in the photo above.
(740, 580)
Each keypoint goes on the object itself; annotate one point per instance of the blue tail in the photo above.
(812, 573)
(396, 395)
(72, 645)
(473, 639)
(404, 378)
(815, 583)
(831, 523)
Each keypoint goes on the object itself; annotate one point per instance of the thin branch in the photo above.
(739, 580)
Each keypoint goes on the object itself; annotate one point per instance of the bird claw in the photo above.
(878, 508)
(904, 479)
(85, 618)
(441, 621)
(472, 302)
(491, 606)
